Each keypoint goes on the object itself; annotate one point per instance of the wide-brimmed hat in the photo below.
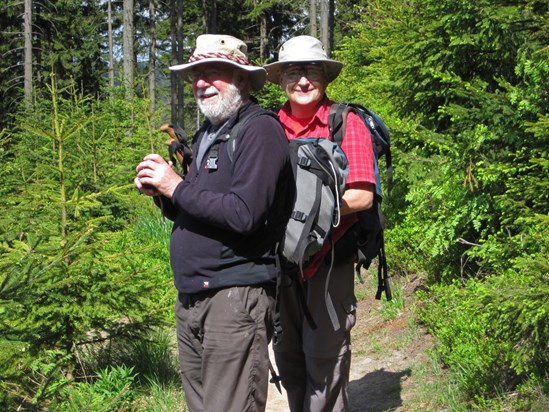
(302, 49)
(211, 48)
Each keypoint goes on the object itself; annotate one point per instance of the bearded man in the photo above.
(227, 213)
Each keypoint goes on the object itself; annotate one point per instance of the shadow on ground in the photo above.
(377, 391)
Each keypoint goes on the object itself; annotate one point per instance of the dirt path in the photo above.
(387, 358)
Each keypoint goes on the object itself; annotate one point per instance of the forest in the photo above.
(86, 292)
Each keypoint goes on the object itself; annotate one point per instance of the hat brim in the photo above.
(333, 68)
(257, 75)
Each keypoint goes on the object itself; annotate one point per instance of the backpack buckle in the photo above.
(211, 163)
(299, 216)
(303, 162)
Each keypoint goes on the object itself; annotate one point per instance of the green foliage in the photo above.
(163, 399)
(134, 374)
(463, 87)
(152, 357)
(271, 97)
(494, 333)
(463, 183)
(113, 390)
(71, 271)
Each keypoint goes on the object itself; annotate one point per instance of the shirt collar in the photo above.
(321, 115)
(323, 108)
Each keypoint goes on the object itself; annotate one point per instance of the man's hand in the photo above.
(156, 177)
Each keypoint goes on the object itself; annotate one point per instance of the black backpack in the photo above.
(366, 237)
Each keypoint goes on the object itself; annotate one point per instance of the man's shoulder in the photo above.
(256, 121)
(251, 111)
(255, 115)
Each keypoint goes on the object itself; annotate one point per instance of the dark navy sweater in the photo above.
(227, 220)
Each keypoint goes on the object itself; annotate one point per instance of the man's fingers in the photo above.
(155, 158)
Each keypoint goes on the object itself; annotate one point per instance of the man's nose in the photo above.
(201, 81)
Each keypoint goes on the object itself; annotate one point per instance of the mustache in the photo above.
(210, 90)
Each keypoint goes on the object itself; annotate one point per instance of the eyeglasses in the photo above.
(208, 75)
(295, 73)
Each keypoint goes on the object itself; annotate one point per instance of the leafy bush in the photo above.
(71, 272)
(493, 333)
(459, 85)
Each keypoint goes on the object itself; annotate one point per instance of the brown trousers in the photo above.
(314, 364)
(223, 341)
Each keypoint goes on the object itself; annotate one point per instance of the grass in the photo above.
(140, 374)
(161, 398)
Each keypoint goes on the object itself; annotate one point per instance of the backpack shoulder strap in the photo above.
(337, 121)
(379, 134)
(231, 136)
(235, 130)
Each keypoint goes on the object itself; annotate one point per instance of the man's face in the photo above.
(215, 91)
(304, 84)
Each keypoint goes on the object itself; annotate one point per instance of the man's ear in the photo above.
(242, 81)
(241, 78)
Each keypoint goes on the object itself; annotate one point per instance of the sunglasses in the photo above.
(311, 72)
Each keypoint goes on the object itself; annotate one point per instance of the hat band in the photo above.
(204, 56)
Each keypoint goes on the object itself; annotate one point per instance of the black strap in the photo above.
(278, 331)
(337, 121)
(303, 302)
(213, 154)
(231, 144)
(389, 163)
(231, 136)
(382, 277)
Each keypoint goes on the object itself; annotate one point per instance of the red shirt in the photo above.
(357, 146)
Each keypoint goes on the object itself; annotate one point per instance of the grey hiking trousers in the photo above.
(314, 364)
(222, 338)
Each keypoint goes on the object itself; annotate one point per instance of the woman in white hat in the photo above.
(314, 364)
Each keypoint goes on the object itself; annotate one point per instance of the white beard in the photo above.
(226, 104)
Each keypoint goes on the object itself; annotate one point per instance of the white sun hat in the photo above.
(211, 48)
(303, 49)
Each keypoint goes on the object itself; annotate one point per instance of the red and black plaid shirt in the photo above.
(357, 146)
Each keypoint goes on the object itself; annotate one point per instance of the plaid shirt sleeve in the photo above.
(357, 145)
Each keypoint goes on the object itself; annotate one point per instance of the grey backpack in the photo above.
(320, 173)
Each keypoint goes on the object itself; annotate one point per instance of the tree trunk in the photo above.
(312, 18)
(331, 14)
(180, 83)
(209, 15)
(263, 39)
(128, 48)
(324, 29)
(212, 26)
(327, 24)
(111, 52)
(28, 51)
(174, 8)
(152, 56)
